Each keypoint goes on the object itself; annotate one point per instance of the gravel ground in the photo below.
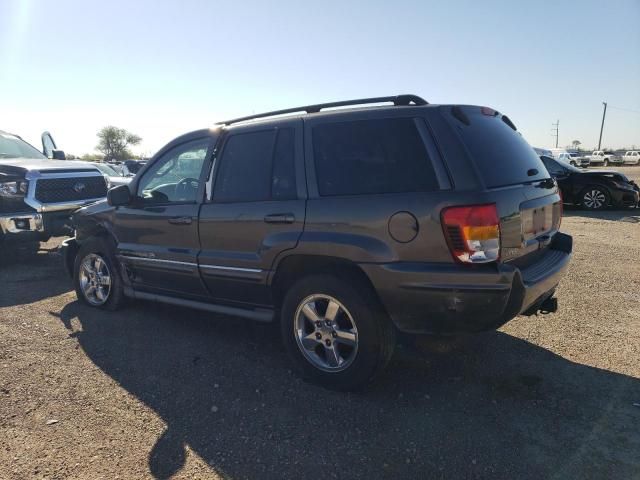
(159, 392)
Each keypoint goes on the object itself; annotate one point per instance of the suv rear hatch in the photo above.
(515, 179)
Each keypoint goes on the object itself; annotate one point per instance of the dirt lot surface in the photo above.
(157, 391)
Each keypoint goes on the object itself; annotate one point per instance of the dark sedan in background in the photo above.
(592, 189)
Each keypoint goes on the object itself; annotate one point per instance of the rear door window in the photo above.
(502, 156)
(257, 166)
(370, 157)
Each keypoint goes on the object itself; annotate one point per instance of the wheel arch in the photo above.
(295, 266)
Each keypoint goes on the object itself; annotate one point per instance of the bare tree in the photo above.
(114, 143)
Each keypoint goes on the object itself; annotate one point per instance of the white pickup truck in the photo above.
(39, 192)
(632, 157)
(604, 158)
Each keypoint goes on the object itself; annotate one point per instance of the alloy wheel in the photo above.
(594, 199)
(326, 333)
(95, 279)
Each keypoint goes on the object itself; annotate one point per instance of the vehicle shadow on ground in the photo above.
(490, 406)
(18, 283)
(631, 215)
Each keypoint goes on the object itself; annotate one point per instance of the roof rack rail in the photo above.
(396, 100)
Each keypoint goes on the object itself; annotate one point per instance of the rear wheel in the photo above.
(606, 162)
(336, 332)
(95, 277)
(594, 198)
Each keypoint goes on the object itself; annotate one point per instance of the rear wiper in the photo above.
(508, 121)
(457, 112)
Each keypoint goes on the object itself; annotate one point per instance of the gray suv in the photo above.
(346, 226)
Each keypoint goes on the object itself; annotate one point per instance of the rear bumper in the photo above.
(450, 298)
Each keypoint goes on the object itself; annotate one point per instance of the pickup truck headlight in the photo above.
(13, 189)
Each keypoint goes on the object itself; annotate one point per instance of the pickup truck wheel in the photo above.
(336, 332)
(594, 198)
(606, 162)
(96, 279)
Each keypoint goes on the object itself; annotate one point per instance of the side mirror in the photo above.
(58, 155)
(118, 196)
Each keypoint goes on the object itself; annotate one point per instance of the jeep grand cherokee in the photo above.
(343, 225)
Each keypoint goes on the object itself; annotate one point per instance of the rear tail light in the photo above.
(473, 233)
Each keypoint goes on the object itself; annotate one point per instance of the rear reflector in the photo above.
(472, 232)
(560, 209)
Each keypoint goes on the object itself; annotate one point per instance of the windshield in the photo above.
(14, 147)
(108, 170)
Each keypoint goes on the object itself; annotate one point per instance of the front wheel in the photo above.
(96, 279)
(336, 332)
(594, 198)
(606, 162)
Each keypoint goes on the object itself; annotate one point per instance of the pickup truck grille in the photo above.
(54, 190)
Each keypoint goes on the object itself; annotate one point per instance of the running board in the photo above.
(258, 315)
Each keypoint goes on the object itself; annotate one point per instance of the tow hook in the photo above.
(550, 305)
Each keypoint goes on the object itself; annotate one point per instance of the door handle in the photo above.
(180, 220)
(280, 218)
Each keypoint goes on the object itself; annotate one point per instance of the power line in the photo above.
(625, 109)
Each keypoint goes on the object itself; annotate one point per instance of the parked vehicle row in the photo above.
(343, 227)
(596, 158)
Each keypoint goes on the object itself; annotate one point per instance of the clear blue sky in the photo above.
(163, 68)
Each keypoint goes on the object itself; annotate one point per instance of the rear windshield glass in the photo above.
(500, 153)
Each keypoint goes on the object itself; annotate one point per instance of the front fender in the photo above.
(93, 220)
(69, 249)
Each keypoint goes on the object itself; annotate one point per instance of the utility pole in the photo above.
(604, 113)
(556, 125)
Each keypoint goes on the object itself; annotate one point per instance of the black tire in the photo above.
(375, 332)
(589, 195)
(103, 248)
(606, 162)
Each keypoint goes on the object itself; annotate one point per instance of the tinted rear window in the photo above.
(501, 154)
(245, 167)
(371, 156)
(257, 166)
